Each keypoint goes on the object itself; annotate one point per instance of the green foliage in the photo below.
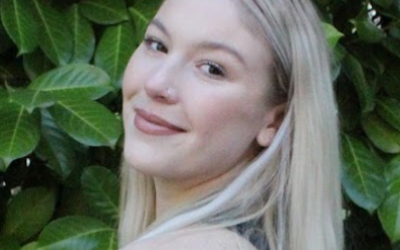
(368, 93)
(28, 212)
(61, 66)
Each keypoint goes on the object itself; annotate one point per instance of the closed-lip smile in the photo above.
(152, 124)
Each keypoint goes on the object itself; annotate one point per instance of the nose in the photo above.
(161, 85)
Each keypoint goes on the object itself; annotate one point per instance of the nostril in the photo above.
(161, 93)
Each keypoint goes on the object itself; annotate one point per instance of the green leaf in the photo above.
(142, 13)
(30, 99)
(389, 212)
(390, 80)
(394, 32)
(383, 3)
(77, 233)
(56, 148)
(2, 165)
(73, 201)
(101, 187)
(28, 212)
(104, 11)
(114, 50)
(363, 176)
(332, 34)
(355, 72)
(370, 60)
(83, 36)
(393, 11)
(88, 122)
(8, 243)
(6, 42)
(55, 37)
(19, 132)
(30, 246)
(18, 20)
(36, 63)
(393, 171)
(389, 109)
(83, 80)
(366, 30)
(392, 45)
(384, 136)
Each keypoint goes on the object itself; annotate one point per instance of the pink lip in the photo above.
(152, 124)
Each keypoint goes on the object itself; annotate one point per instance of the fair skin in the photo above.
(195, 109)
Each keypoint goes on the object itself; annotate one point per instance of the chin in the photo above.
(147, 164)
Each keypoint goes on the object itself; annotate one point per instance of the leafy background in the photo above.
(61, 64)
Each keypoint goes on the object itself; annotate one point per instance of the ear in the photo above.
(272, 121)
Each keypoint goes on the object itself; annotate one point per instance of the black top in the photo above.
(253, 232)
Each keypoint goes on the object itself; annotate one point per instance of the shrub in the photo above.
(61, 64)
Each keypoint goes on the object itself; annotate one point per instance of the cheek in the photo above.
(225, 112)
(134, 75)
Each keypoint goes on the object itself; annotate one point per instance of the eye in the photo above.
(213, 70)
(155, 45)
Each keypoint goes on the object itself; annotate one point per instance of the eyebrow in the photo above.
(220, 46)
(210, 45)
(156, 22)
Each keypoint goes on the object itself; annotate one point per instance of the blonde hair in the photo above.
(294, 183)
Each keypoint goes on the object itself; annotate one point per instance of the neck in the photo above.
(174, 194)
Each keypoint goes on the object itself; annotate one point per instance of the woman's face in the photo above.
(195, 93)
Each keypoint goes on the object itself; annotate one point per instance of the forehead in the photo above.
(222, 14)
(219, 21)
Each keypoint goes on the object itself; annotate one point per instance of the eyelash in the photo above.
(220, 69)
(150, 41)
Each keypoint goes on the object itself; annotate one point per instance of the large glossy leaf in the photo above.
(75, 79)
(390, 80)
(30, 246)
(367, 31)
(363, 175)
(56, 148)
(19, 132)
(371, 60)
(30, 99)
(392, 11)
(36, 63)
(8, 243)
(82, 34)
(389, 109)
(18, 20)
(389, 212)
(355, 72)
(394, 32)
(114, 51)
(77, 233)
(2, 165)
(55, 36)
(332, 34)
(392, 45)
(104, 11)
(383, 3)
(101, 187)
(384, 136)
(29, 212)
(6, 42)
(141, 13)
(88, 122)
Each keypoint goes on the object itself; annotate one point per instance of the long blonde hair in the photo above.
(294, 183)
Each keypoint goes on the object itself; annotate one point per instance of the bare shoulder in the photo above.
(215, 239)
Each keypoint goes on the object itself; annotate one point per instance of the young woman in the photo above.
(231, 137)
